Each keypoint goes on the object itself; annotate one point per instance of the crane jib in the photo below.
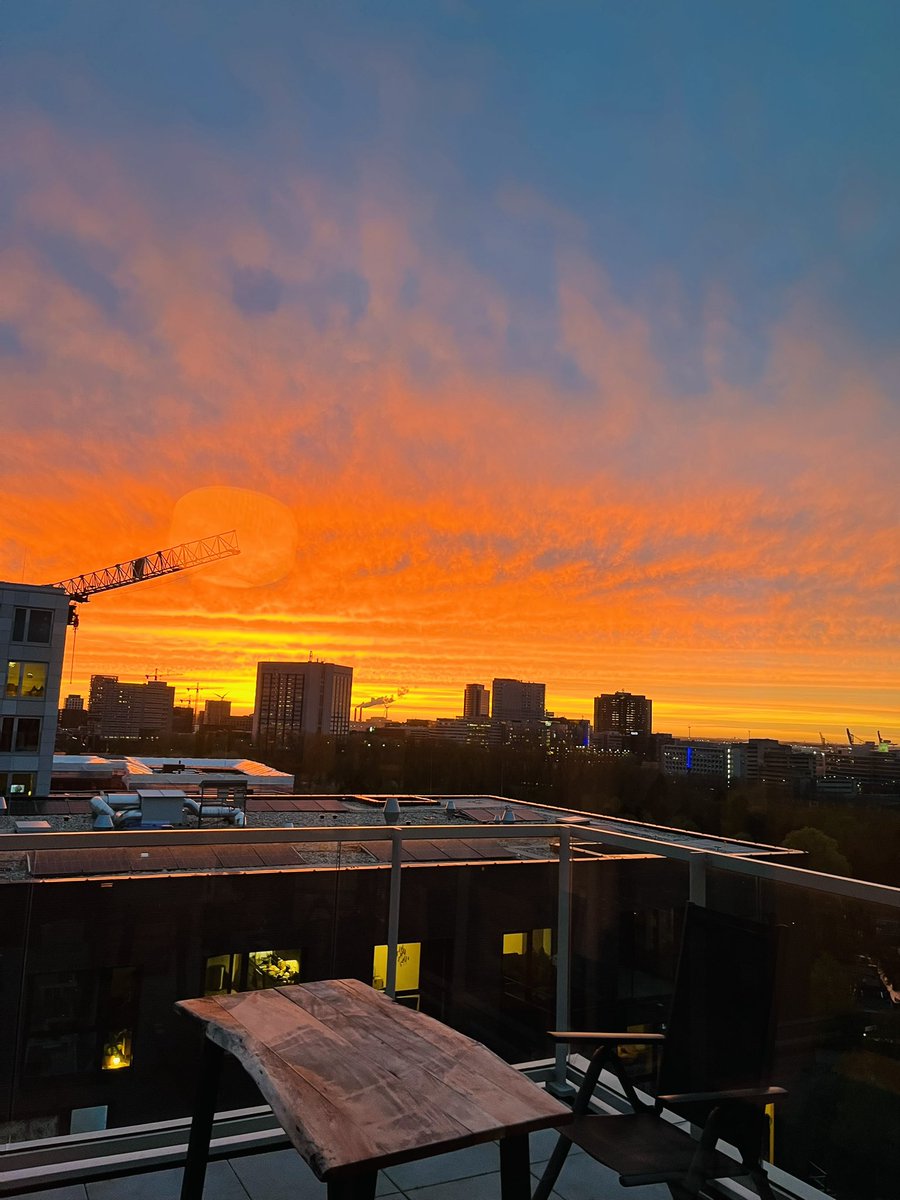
(152, 566)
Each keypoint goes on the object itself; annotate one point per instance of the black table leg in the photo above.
(359, 1187)
(515, 1168)
(202, 1121)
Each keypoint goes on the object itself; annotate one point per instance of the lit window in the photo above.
(408, 957)
(26, 679)
(528, 972)
(229, 973)
(117, 1051)
(272, 968)
(223, 974)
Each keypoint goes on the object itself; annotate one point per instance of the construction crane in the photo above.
(80, 588)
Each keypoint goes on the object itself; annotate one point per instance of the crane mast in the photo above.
(150, 566)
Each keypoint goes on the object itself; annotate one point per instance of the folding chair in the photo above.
(713, 1069)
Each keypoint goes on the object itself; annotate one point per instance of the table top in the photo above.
(359, 1082)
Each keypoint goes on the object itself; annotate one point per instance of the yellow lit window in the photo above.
(408, 957)
(528, 972)
(515, 943)
(272, 968)
(223, 974)
(26, 679)
(13, 676)
(117, 1051)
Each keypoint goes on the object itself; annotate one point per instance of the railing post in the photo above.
(558, 1085)
(697, 879)
(393, 937)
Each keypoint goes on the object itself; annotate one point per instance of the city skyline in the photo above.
(546, 343)
(731, 729)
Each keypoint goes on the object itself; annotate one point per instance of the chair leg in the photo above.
(552, 1169)
(761, 1182)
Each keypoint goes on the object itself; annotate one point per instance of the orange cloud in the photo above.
(733, 554)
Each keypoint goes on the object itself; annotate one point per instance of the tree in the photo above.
(823, 852)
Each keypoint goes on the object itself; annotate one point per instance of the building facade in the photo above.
(298, 698)
(476, 702)
(130, 709)
(720, 760)
(217, 713)
(513, 700)
(32, 645)
(623, 712)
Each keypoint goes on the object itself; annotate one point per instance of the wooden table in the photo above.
(359, 1082)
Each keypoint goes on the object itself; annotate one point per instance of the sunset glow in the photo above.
(474, 408)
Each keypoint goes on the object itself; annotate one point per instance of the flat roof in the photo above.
(71, 848)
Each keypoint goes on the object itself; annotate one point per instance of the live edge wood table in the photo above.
(358, 1083)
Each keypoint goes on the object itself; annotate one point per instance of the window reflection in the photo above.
(32, 625)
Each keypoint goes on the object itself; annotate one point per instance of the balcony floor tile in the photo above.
(221, 1184)
(442, 1168)
(582, 1178)
(475, 1187)
(74, 1191)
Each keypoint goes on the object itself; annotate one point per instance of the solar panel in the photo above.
(240, 855)
(425, 851)
(278, 854)
(195, 858)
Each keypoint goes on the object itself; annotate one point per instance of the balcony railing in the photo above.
(580, 929)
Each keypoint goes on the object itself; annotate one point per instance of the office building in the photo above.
(622, 712)
(32, 645)
(217, 713)
(513, 700)
(476, 702)
(130, 709)
(293, 699)
(725, 761)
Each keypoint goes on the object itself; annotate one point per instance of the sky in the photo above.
(554, 341)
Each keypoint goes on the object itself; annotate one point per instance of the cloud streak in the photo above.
(487, 478)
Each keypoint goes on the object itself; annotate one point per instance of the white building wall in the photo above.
(31, 666)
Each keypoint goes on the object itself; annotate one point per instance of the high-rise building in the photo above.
(130, 709)
(476, 702)
(513, 700)
(217, 713)
(622, 712)
(32, 644)
(74, 703)
(298, 698)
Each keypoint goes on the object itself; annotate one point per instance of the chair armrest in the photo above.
(762, 1093)
(580, 1036)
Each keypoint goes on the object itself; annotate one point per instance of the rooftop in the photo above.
(69, 847)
